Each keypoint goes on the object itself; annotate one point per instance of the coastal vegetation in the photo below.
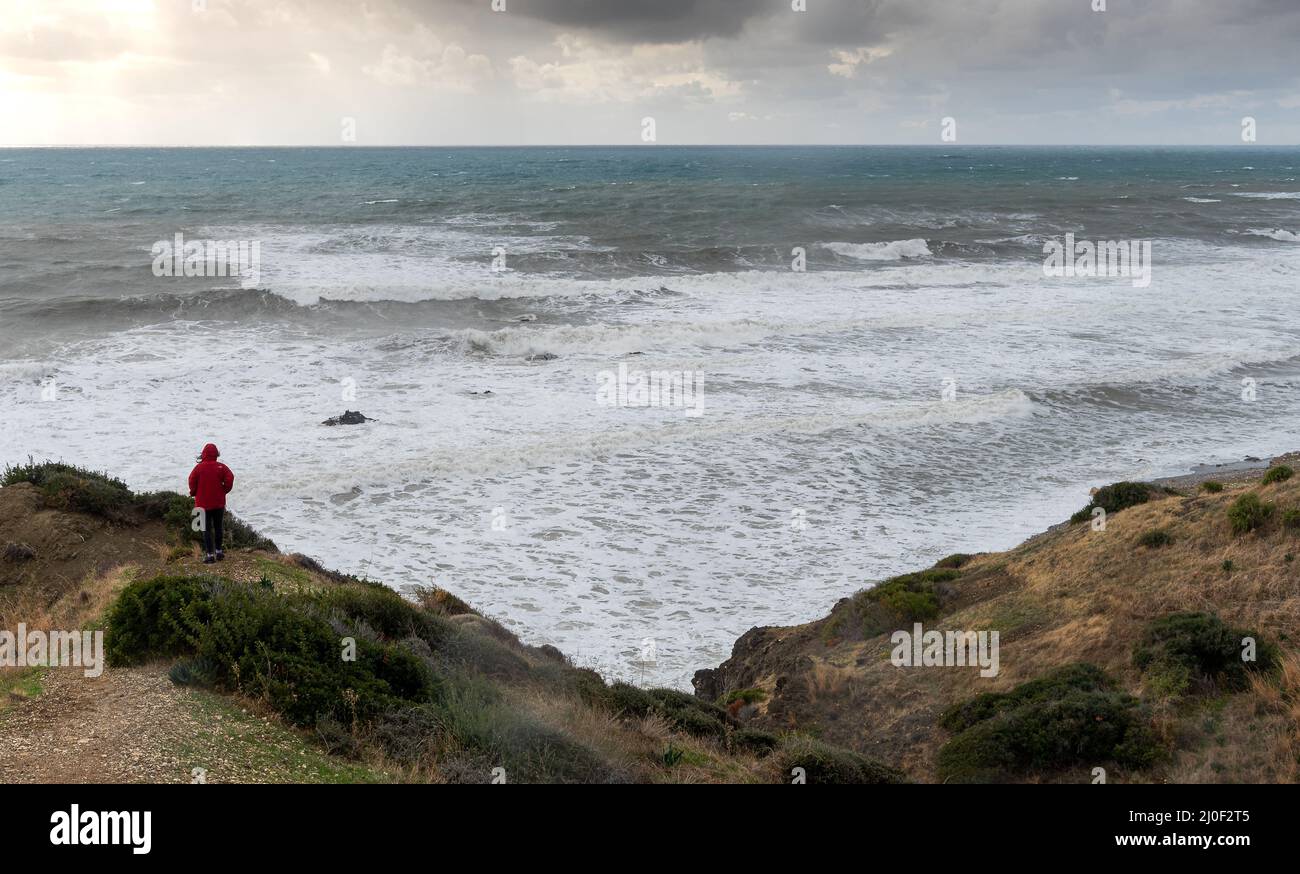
(1158, 649)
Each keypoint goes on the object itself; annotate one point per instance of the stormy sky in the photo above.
(447, 72)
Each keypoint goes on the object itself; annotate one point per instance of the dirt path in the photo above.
(133, 725)
(120, 727)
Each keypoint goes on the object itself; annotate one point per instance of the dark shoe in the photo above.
(221, 555)
(209, 559)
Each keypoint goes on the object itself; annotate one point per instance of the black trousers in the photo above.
(212, 529)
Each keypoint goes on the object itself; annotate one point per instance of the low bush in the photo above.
(76, 489)
(67, 487)
(1248, 513)
(1078, 677)
(755, 741)
(1291, 518)
(1115, 497)
(823, 763)
(1212, 486)
(908, 598)
(680, 710)
(1156, 538)
(1186, 652)
(1277, 473)
(1075, 727)
(279, 648)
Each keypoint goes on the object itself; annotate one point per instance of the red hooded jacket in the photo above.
(210, 480)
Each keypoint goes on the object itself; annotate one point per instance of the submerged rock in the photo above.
(349, 417)
(542, 356)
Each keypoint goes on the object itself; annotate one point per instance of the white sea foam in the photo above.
(894, 250)
(1269, 195)
(633, 523)
(1278, 234)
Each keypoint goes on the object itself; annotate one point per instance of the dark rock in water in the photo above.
(349, 417)
(543, 356)
(481, 393)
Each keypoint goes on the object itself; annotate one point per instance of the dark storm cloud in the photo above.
(649, 20)
(641, 21)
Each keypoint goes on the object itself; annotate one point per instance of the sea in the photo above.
(634, 401)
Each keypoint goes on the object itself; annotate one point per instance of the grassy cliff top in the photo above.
(269, 668)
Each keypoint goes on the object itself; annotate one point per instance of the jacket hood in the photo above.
(210, 452)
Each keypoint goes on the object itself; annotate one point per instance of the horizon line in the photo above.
(639, 145)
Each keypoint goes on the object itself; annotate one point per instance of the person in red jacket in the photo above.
(210, 482)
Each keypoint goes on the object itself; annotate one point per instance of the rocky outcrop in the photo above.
(349, 417)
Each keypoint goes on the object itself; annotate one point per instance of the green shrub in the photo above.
(1212, 486)
(277, 647)
(1248, 513)
(177, 512)
(383, 610)
(1115, 497)
(1291, 518)
(487, 655)
(755, 741)
(823, 763)
(587, 684)
(680, 710)
(1277, 473)
(1075, 728)
(76, 489)
(1078, 677)
(192, 672)
(474, 717)
(67, 487)
(1156, 538)
(692, 715)
(627, 701)
(908, 605)
(913, 597)
(956, 560)
(1186, 650)
(748, 696)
